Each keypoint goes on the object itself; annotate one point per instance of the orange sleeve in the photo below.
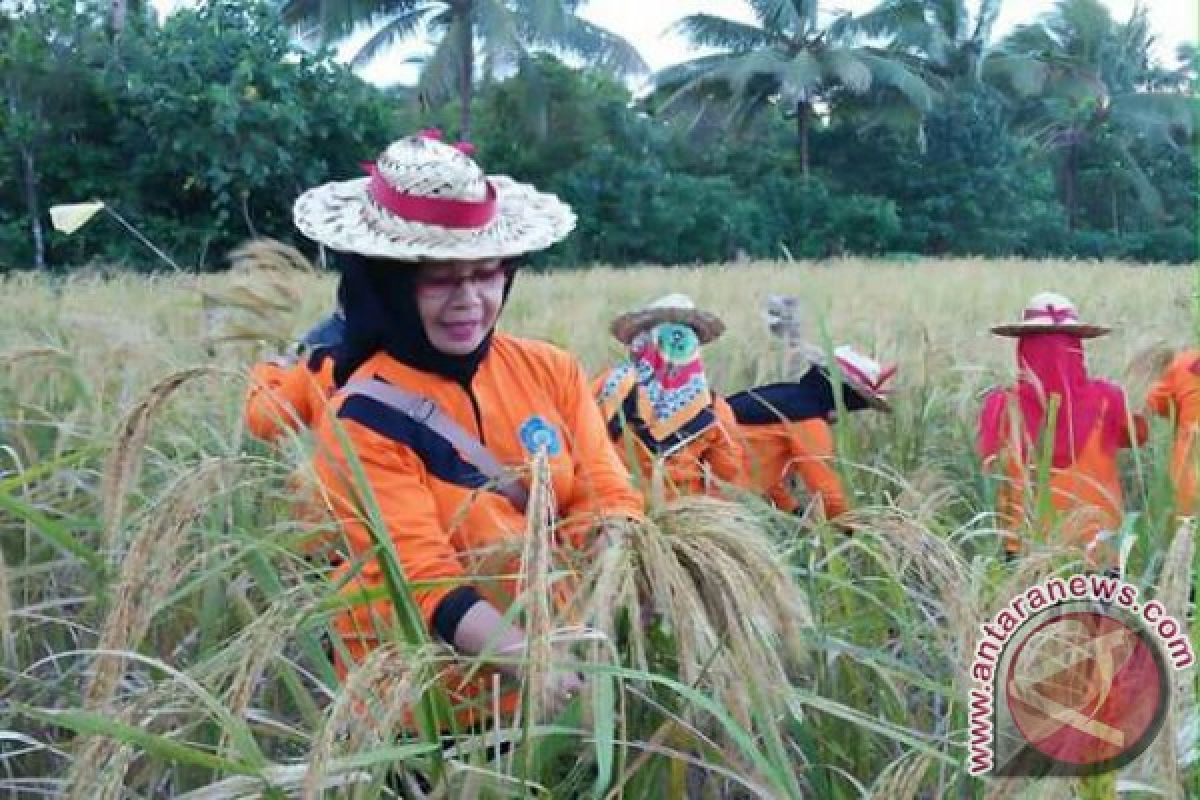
(602, 483)
(812, 451)
(398, 484)
(782, 497)
(285, 398)
(725, 454)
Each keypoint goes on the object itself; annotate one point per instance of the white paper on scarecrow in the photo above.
(71, 217)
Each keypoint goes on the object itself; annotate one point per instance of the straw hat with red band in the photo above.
(1049, 312)
(863, 374)
(424, 200)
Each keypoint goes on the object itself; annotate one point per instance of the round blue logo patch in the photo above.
(536, 434)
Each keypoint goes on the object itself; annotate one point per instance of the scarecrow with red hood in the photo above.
(1058, 410)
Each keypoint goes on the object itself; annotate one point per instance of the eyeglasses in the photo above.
(448, 282)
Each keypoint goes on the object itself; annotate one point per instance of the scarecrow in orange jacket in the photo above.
(1090, 424)
(662, 416)
(1176, 395)
(440, 414)
(787, 433)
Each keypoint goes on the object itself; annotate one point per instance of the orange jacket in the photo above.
(1084, 498)
(283, 399)
(804, 448)
(446, 525)
(685, 468)
(1177, 395)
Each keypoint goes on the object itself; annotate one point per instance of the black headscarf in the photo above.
(379, 300)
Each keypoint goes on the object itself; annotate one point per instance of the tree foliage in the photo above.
(202, 130)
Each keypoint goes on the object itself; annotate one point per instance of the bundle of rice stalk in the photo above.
(257, 304)
(704, 574)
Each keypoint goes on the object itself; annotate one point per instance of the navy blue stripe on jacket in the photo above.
(436, 453)
(629, 416)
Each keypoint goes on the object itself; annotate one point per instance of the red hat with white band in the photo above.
(425, 200)
(1049, 312)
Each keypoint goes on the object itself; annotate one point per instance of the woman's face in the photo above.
(458, 302)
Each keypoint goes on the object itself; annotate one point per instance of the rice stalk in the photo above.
(534, 590)
(99, 769)
(8, 639)
(147, 572)
(260, 644)
(125, 460)
(902, 779)
(373, 700)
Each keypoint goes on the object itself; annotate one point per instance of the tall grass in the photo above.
(161, 629)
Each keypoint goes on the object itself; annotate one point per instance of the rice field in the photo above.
(163, 635)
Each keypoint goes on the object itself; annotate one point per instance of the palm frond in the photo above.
(781, 16)
(846, 68)
(800, 78)
(899, 20)
(709, 30)
(332, 21)
(766, 66)
(603, 48)
(678, 75)
(891, 73)
(1027, 76)
(394, 30)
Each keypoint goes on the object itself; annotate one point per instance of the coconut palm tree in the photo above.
(784, 59)
(1087, 81)
(473, 38)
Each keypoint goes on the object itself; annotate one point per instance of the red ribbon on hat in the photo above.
(861, 377)
(1057, 316)
(440, 211)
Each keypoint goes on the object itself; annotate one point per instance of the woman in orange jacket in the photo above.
(1090, 422)
(1176, 395)
(439, 413)
(661, 415)
(786, 428)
